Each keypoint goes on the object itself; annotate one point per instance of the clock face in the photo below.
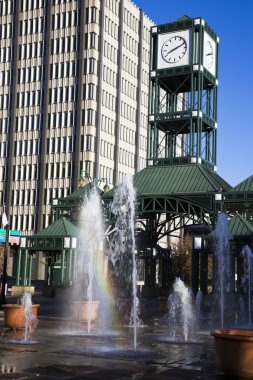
(174, 49)
(208, 55)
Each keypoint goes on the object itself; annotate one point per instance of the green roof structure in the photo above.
(240, 227)
(246, 185)
(60, 228)
(178, 179)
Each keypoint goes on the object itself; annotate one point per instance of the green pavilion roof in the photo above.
(246, 185)
(178, 179)
(240, 227)
(83, 191)
(62, 227)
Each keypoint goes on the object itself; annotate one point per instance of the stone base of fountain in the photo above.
(234, 352)
(80, 310)
(14, 315)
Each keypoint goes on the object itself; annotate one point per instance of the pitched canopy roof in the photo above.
(240, 227)
(246, 185)
(178, 179)
(62, 227)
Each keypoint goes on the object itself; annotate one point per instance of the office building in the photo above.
(73, 98)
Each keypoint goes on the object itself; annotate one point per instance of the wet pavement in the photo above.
(62, 350)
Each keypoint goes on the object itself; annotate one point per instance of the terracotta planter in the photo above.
(234, 352)
(80, 310)
(14, 315)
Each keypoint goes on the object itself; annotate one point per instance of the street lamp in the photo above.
(83, 177)
(93, 182)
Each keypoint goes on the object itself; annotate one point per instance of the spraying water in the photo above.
(89, 267)
(198, 304)
(181, 313)
(122, 252)
(222, 250)
(248, 256)
(31, 320)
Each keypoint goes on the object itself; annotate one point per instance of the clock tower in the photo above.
(183, 93)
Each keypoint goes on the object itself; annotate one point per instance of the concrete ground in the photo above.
(62, 350)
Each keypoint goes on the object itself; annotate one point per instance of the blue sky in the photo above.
(233, 22)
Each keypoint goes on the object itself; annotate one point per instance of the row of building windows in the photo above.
(89, 91)
(6, 31)
(29, 98)
(106, 149)
(29, 122)
(106, 173)
(23, 197)
(27, 5)
(111, 27)
(109, 76)
(126, 158)
(4, 101)
(29, 74)
(131, 21)
(63, 45)
(26, 147)
(108, 100)
(113, 5)
(58, 170)
(4, 125)
(110, 52)
(144, 99)
(90, 66)
(5, 54)
(23, 172)
(31, 26)
(91, 15)
(64, 20)
(130, 43)
(128, 88)
(22, 222)
(129, 66)
(127, 134)
(5, 78)
(62, 70)
(30, 50)
(88, 117)
(3, 149)
(60, 119)
(128, 112)
(90, 40)
(61, 94)
(6, 7)
(108, 125)
(59, 144)
(87, 143)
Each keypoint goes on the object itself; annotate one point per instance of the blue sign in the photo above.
(2, 236)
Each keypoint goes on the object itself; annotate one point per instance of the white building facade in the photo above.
(74, 78)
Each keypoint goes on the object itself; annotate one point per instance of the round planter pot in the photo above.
(14, 315)
(234, 352)
(80, 310)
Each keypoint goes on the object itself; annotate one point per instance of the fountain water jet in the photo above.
(90, 263)
(122, 247)
(222, 249)
(248, 255)
(181, 312)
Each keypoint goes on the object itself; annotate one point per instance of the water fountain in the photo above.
(246, 279)
(122, 248)
(181, 313)
(222, 276)
(198, 305)
(22, 316)
(90, 264)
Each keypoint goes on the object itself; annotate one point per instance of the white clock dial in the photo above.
(174, 49)
(208, 54)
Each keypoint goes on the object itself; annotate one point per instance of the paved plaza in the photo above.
(61, 350)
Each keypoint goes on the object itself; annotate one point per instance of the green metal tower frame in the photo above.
(183, 99)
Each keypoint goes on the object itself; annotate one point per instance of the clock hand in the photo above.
(209, 54)
(175, 48)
